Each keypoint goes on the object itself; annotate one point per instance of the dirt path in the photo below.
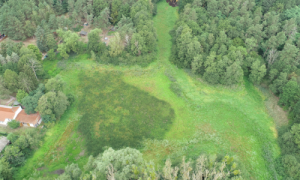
(26, 42)
(104, 35)
(10, 100)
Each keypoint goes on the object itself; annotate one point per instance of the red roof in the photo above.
(7, 113)
(28, 118)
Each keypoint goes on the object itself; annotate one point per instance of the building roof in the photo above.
(28, 118)
(7, 112)
(3, 142)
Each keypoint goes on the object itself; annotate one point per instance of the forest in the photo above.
(224, 41)
(238, 46)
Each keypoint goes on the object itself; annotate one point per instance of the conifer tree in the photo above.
(41, 39)
(11, 80)
(258, 71)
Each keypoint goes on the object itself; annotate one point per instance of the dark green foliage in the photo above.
(25, 82)
(279, 83)
(94, 43)
(11, 80)
(295, 112)
(6, 171)
(15, 154)
(12, 137)
(51, 55)
(119, 114)
(289, 142)
(36, 51)
(51, 42)
(48, 118)
(291, 165)
(4, 92)
(290, 94)
(71, 98)
(99, 5)
(52, 103)
(59, 7)
(11, 66)
(31, 102)
(20, 19)
(102, 21)
(14, 124)
(41, 39)
(8, 47)
(219, 26)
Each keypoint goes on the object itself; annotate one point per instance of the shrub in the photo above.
(14, 124)
(12, 137)
(71, 99)
(48, 118)
(51, 54)
(21, 95)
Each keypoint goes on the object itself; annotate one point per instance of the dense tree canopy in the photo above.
(223, 41)
(128, 163)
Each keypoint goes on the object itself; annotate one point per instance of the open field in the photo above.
(201, 118)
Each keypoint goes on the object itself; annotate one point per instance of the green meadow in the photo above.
(161, 110)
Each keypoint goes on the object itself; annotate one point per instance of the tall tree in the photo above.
(116, 45)
(11, 80)
(4, 92)
(25, 82)
(52, 103)
(94, 40)
(102, 21)
(258, 71)
(41, 39)
(55, 84)
(290, 94)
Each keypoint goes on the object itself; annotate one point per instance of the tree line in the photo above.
(128, 163)
(224, 41)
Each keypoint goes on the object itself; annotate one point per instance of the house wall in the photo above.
(40, 121)
(5, 122)
(6, 106)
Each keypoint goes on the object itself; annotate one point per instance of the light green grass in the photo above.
(208, 119)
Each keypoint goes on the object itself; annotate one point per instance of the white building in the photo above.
(9, 113)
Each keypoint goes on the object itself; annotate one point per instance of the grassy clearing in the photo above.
(211, 119)
(118, 115)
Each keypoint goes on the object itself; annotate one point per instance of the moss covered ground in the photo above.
(200, 118)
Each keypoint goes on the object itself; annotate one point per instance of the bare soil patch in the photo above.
(274, 110)
(28, 41)
(104, 35)
(59, 171)
(172, 3)
(7, 102)
(42, 168)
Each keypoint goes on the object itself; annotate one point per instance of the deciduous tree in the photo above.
(11, 80)
(52, 103)
(116, 45)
